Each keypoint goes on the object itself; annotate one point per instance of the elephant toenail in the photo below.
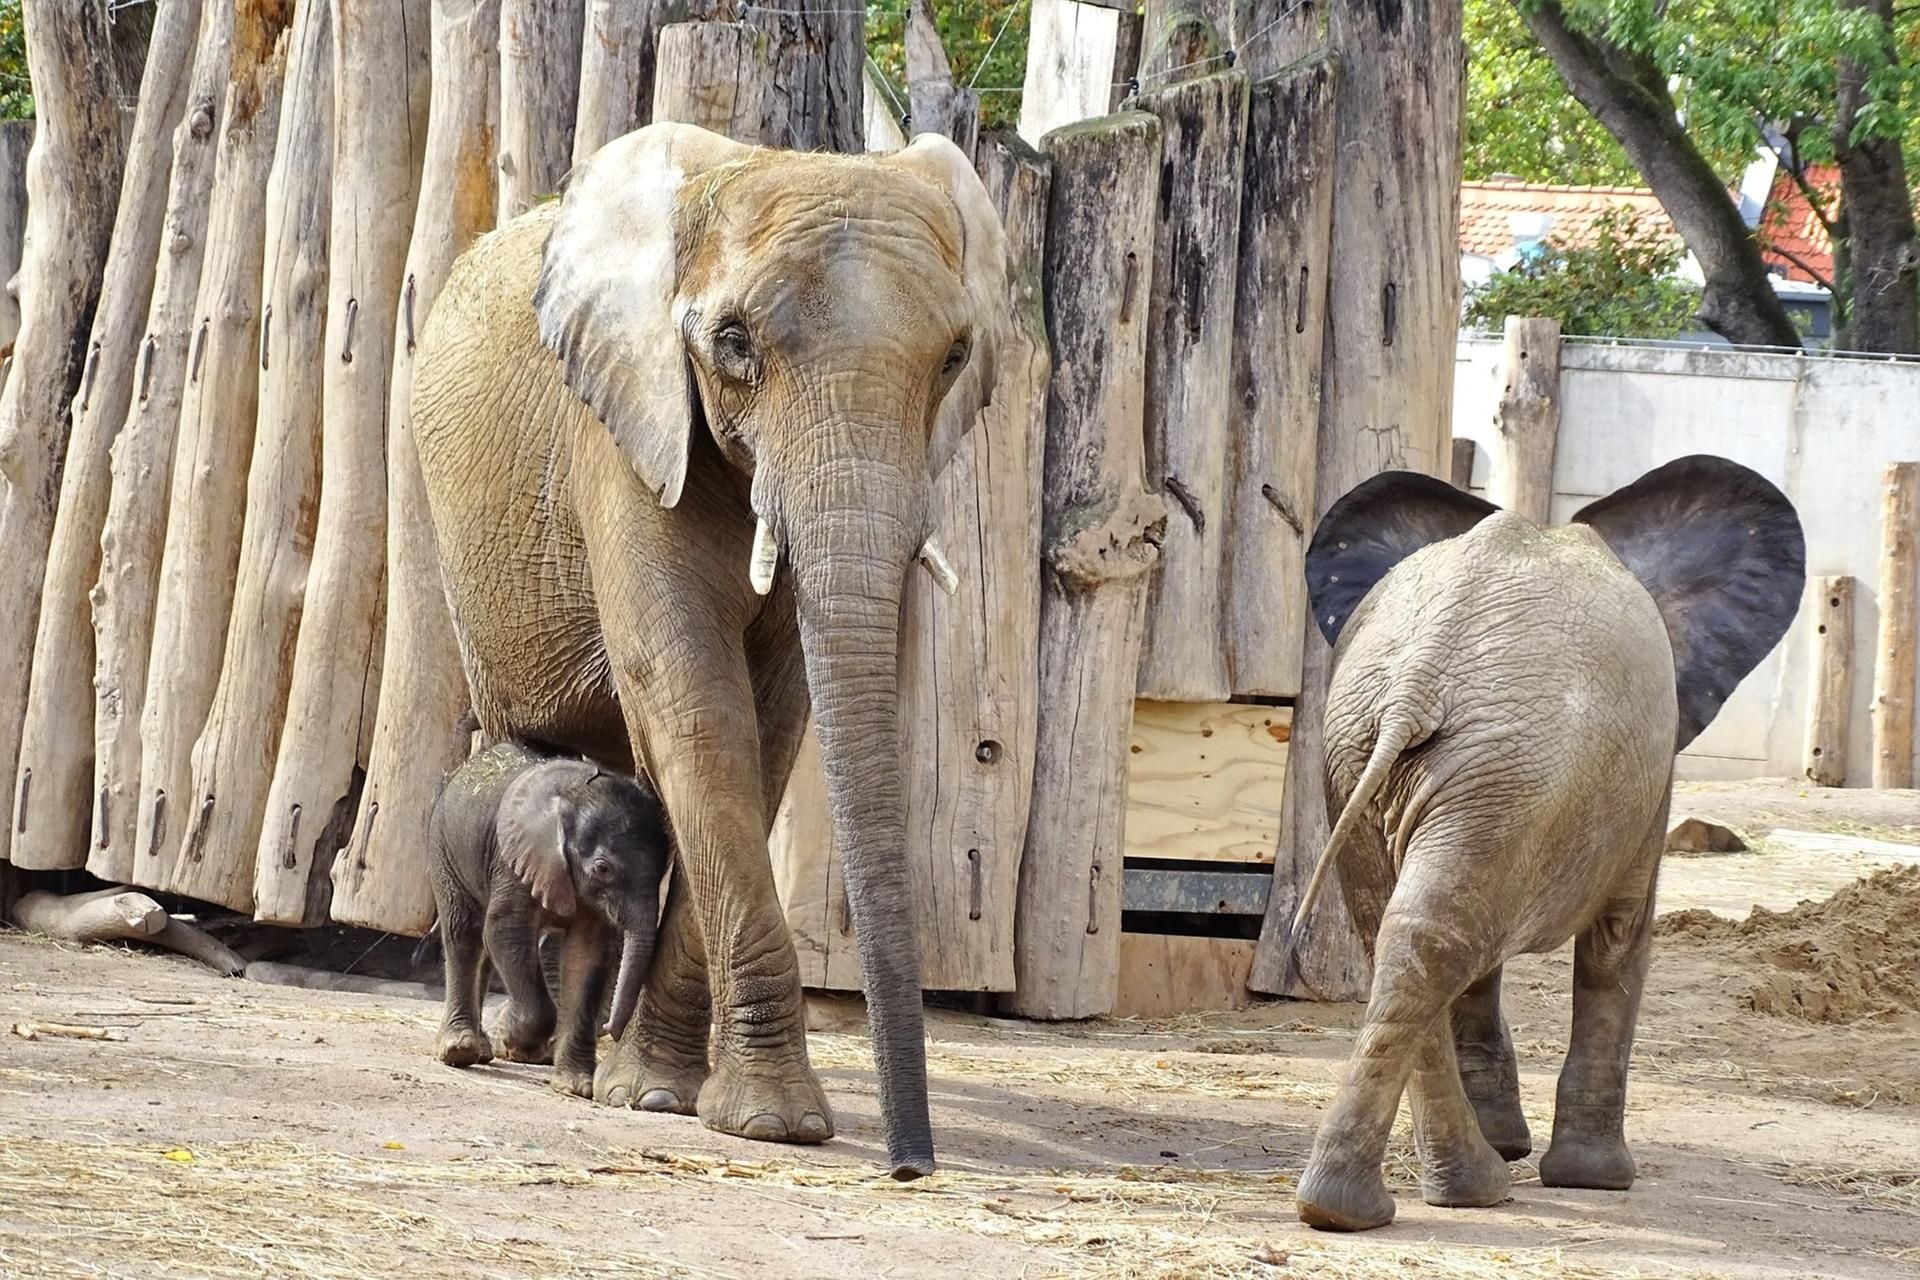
(659, 1100)
(765, 1127)
(814, 1127)
(617, 1096)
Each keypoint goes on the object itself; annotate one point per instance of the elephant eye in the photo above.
(733, 348)
(956, 359)
(600, 870)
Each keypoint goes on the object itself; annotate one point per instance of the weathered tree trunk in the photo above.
(1071, 60)
(141, 463)
(616, 73)
(381, 879)
(710, 74)
(936, 103)
(53, 749)
(1876, 203)
(539, 90)
(1830, 692)
(1100, 533)
(120, 915)
(1189, 411)
(1899, 640)
(1286, 209)
(1527, 421)
(1628, 95)
(73, 181)
(204, 519)
(812, 97)
(16, 139)
(1387, 387)
(233, 758)
(380, 95)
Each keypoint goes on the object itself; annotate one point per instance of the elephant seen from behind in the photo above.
(1505, 705)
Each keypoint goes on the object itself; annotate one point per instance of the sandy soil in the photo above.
(233, 1129)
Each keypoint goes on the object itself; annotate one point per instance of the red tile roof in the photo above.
(1487, 207)
(1790, 234)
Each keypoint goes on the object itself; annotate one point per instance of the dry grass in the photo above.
(1883, 1188)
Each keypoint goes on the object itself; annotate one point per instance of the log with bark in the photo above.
(539, 89)
(380, 88)
(204, 518)
(233, 757)
(380, 880)
(57, 755)
(937, 104)
(1100, 527)
(121, 915)
(1386, 388)
(1526, 421)
(1190, 343)
(1830, 686)
(73, 185)
(141, 462)
(1882, 249)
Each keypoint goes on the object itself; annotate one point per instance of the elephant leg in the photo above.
(1459, 1169)
(661, 1062)
(584, 959)
(780, 699)
(526, 1026)
(1589, 1147)
(1423, 960)
(1489, 1071)
(462, 1042)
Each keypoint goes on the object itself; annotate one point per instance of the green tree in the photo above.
(1519, 118)
(16, 91)
(1622, 285)
(986, 43)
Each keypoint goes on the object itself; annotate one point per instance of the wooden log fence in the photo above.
(1830, 697)
(276, 688)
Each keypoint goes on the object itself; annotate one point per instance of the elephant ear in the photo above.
(605, 298)
(1721, 551)
(1373, 527)
(985, 272)
(535, 813)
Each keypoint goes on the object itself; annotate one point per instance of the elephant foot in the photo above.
(1593, 1163)
(1470, 1176)
(572, 1080)
(767, 1098)
(1342, 1199)
(463, 1046)
(1504, 1126)
(647, 1078)
(524, 1037)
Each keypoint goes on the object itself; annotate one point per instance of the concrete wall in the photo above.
(1820, 428)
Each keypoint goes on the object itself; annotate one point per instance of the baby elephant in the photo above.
(523, 842)
(1504, 710)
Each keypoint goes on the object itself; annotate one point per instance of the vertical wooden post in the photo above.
(1386, 387)
(1461, 469)
(1189, 413)
(1893, 666)
(539, 92)
(202, 548)
(1071, 51)
(936, 103)
(1830, 691)
(73, 181)
(233, 757)
(141, 462)
(885, 131)
(616, 72)
(56, 740)
(1527, 422)
(709, 74)
(1100, 530)
(380, 880)
(380, 96)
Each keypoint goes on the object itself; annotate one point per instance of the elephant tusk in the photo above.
(936, 563)
(765, 559)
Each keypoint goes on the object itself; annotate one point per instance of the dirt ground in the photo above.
(235, 1129)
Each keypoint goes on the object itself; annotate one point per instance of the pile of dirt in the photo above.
(1850, 958)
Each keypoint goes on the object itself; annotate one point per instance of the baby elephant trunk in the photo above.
(636, 953)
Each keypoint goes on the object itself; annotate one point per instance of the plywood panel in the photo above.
(1162, 975)
(1205, 780)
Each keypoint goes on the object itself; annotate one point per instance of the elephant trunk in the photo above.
(852, 536)
(636, 954)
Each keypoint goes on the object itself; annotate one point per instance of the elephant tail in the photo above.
(1398, 731)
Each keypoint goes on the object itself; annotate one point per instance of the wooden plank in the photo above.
(1165, 975)
(1195, 890)
(1126, 57)
(539, 93)
(1830, 692)
(1286, 210)
(1071, 48)
(1386, 383)
(882, 122)
(1895, 652)
(1526, 419)
(1205, 781)
(1190, 342)
(1460, 468)
(967, 673)
(1101, 527)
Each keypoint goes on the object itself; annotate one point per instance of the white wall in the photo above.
(1820, 428)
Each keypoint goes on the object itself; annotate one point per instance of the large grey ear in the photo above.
(1721, 552)
(1373, 527)
(605, 298)
(531, 827)
(987, 276)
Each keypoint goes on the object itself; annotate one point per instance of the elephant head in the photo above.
(577, 837)
(831, 326)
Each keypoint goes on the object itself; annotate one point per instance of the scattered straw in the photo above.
(1883, 1188)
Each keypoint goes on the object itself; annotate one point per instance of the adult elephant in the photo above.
(631, 405)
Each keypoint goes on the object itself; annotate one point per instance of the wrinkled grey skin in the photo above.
(1502, 719)
(522, 843)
